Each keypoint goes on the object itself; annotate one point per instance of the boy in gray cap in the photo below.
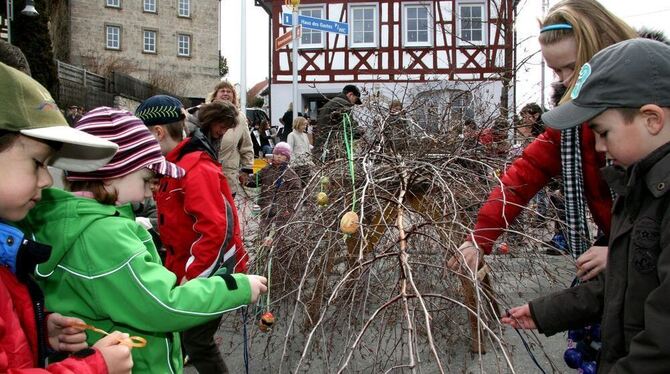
(624, 93)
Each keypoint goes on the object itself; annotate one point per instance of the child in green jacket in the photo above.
(105, 269)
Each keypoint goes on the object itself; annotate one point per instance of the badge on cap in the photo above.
(584, 73)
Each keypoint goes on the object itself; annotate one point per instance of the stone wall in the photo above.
(186, 76)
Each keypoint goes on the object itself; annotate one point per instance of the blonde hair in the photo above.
(593, 28)
(299, 121)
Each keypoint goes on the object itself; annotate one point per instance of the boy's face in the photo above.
(624, 143)
(23, 172)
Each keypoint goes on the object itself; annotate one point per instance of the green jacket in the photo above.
(105, 270)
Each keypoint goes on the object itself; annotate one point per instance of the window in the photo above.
(113, 37)
(113, 3)
(442, 108)
(363, 23)
(184, 8)
(183, 45)
(417, 21)
(471, 28)
(311, 38)
(150, 6)
(149, 41)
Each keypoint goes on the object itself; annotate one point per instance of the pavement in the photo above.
(516, 278)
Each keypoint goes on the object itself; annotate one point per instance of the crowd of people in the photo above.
(60, 277)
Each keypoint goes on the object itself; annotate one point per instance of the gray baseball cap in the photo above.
(629, 74)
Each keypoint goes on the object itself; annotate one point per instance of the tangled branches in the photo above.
(382, 299)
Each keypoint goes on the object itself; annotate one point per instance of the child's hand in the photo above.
(519, 318)
(117, 356)
(62, 336)
(591, 262)
(259, 285)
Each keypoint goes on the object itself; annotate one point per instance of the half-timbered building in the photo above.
(458, 52)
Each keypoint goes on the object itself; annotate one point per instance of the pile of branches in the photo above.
(382, 299)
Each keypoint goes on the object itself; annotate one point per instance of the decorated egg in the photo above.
(266, 322)
(322, 199)
(504, 248)
(325, 181)
(573, 358)
(349, 223)
(255, 210)
(588, 367)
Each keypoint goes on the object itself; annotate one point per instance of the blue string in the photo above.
(530, 352)
(246, 340)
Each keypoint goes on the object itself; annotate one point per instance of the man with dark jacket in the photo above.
(197, 218)
(329, 133)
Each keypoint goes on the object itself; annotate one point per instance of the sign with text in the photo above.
(318, 24)
(284, 39)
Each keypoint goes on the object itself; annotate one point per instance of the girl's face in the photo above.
(301, 126)
(561, 57)
(24, 174)
(133, 187)
(279, 159)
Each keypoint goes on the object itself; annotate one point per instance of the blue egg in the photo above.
(588, 367)
(573, 358)
(576, 335)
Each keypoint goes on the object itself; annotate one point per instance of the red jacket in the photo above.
(18, 335)
(541, 161)
(197, 218)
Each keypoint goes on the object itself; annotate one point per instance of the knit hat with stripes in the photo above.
(137, 146)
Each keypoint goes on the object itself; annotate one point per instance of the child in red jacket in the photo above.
(33, 133)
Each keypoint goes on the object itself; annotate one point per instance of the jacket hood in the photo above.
(197, 142)
(60, 218)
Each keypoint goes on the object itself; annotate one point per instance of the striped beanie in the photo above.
(137, 146)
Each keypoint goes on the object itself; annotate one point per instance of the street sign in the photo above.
(318, 24)
(286, 38)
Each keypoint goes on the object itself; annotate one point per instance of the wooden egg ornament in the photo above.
(266, 322)
(255, 210)
(349, 223)
(504, 248)
(322, 199)
(325, 181)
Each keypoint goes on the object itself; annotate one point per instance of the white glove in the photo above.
(144, 222)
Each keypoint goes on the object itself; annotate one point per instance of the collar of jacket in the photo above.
(655, 169)
(197, 142)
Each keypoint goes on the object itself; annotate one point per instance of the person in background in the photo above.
(301, 159)
(235, 149)
(329, 133)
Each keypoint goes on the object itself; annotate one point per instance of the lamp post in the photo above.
(29, 10)
(294, 56)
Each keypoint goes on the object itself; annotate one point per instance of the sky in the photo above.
(649, 13)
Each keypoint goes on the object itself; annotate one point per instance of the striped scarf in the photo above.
(579, 238)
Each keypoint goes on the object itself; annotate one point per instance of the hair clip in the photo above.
(557, 26)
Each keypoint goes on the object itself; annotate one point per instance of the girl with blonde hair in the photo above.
(572, 32)
(302, 150)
